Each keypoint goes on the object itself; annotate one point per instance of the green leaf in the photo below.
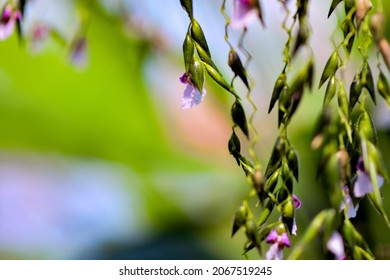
(239, 118)
(331, 67)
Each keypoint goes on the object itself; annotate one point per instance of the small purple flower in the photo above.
(7, 21)
(335, 245)
(348, 204)
(192, 96)
(244, 13)
(275, 252)
(363, 184)
(297, 204)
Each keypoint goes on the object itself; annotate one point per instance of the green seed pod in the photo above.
(205, 57)
(188, 52)
(366, 128)
(383, 87)
(196, 71)
(368, 81)
(343, 102)
(276, 157)
(292, 160)
(239, 218)
(287, 210)
(349, 32)
(333, 6)
(278, 88)
(239, 118)
(187, 6)
(331, 67)
(246, 165)
(281, 195)
(303, 35)
(266, 212)
(217, 77)
(310, 73)
(198, 36)
(287, 177)
(355, 91)
(330, 91)
(272, 182)
(238, 69)
(234, 147)
(251, 231)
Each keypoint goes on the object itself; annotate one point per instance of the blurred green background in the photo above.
(100, 162)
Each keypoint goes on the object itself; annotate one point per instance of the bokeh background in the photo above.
(98, 160)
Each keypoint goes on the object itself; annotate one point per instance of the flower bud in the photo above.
(257, 179)
(377, 24)
(363, 6)
(384, 48)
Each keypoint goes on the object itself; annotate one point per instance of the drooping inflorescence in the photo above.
(349, 167)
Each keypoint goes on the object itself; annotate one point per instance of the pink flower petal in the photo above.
(335, 245)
